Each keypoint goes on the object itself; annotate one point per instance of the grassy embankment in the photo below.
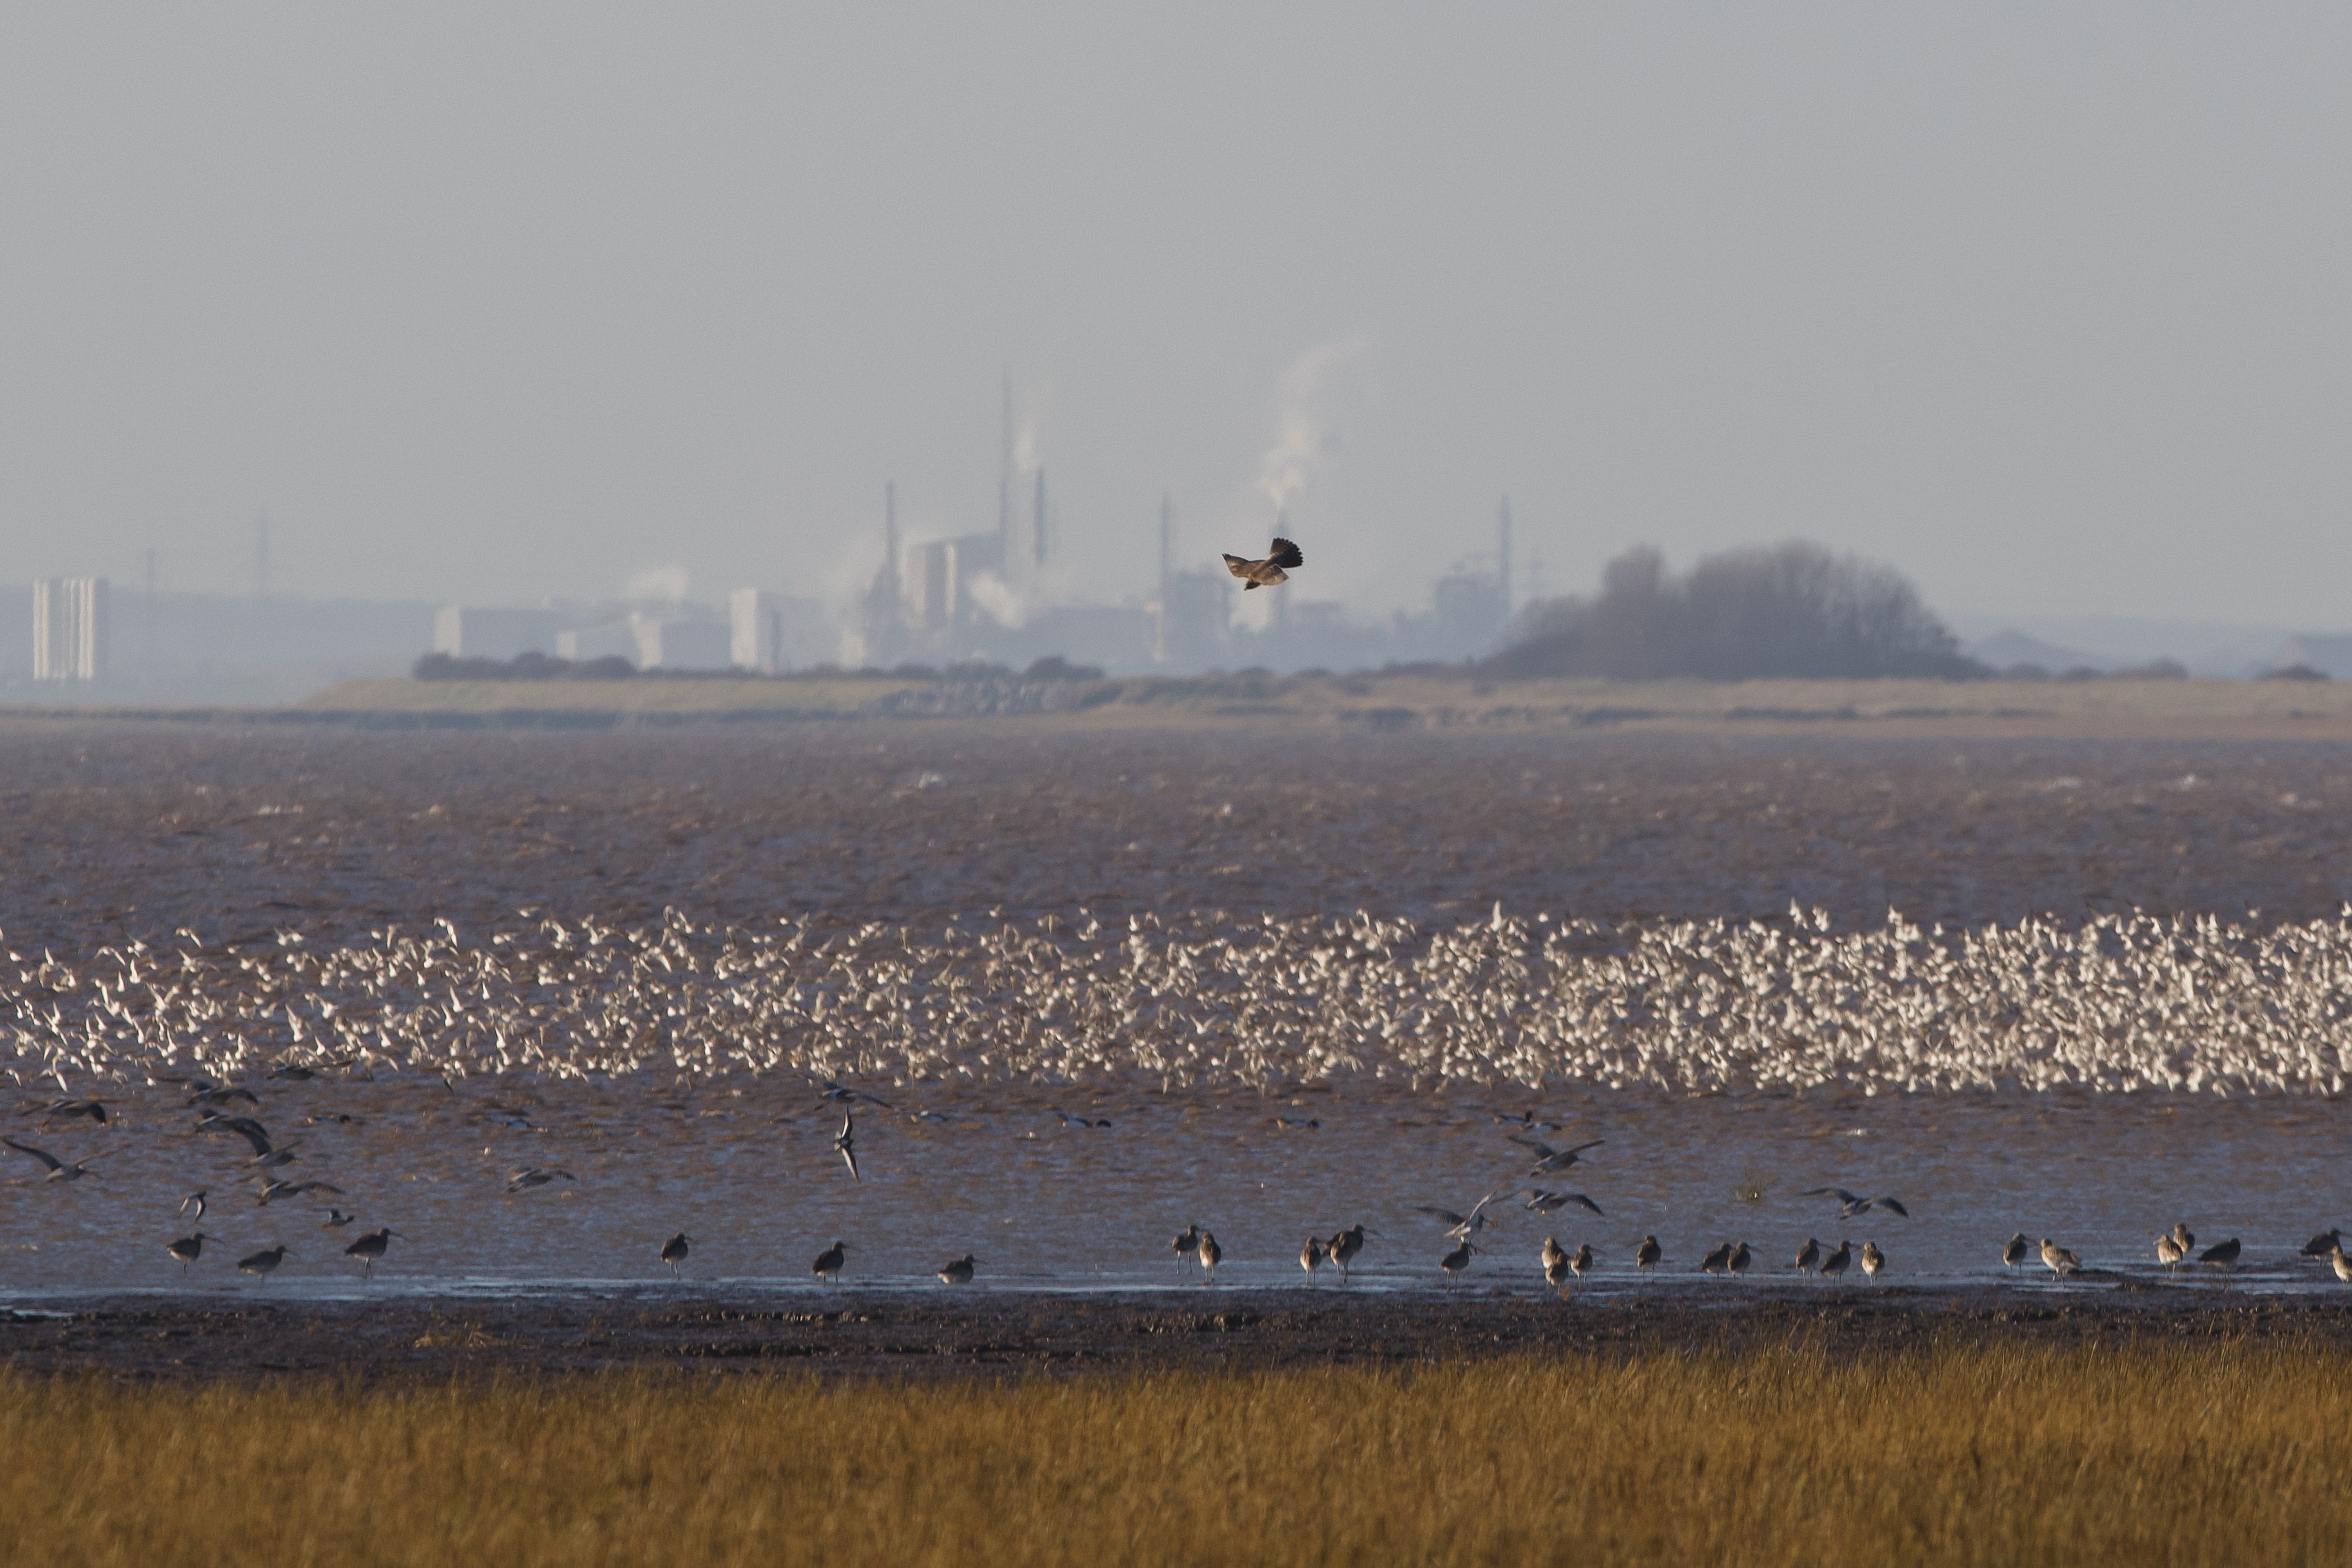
(2181, 710)
(2155, 1453)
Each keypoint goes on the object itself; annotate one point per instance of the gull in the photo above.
(188, 1248)
(1211, 1255)
(1873, 1259)
(2322, 1245)
(262, 1263)
(1544, 1202)
(1453, 1262)
(277, 1189)
(1343, 1247)
(1646, 1256)
(195, 1201)
(1548, 1159)
(59, 1170)
(957, 1270)
(1852, 1205)
(674, 1251)
(2168, 1252)
(2014, 1253)
(845, 1141)
(1311, 1256)
(1187, 1244)
(1834, 1266)
(2225, 1255)
(1267, 573)
(370, 1247)
(336, 1219)
(1717, 1261)
(1809, 1258)
(2058, 1260)
(828, 1263)
(531, 1176)
(1464, 1224)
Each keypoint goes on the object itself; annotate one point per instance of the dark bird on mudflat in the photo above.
(1267, 573)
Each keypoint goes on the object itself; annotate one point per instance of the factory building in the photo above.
(69, 629)
(463, 632)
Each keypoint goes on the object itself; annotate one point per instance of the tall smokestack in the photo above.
(1503, 551)
(1167, 531)
(1041, 518)
(261, 557)
(1004, 483)
(890, 539)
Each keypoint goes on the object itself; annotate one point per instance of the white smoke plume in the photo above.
(1307, 440)
(666, 585)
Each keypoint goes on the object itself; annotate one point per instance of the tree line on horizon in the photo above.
(1790, 610)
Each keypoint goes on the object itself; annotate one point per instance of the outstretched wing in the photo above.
(1890, 1203)
(1237, 565)
(43, 1155)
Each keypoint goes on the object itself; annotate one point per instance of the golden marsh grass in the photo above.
(2149, 1453)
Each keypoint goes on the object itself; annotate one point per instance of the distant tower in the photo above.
(261, 557)
(147, 651)
(1004, 483)
(1041, 519)
(1167, 537)
(1503, 552)
(890, 537)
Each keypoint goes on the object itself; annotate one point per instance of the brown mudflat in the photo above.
(991, 1336)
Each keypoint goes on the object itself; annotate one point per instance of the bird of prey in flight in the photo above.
(1267, 573)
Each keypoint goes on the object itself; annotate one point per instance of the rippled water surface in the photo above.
(248, 840)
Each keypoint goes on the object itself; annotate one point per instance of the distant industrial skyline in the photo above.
(2040, 308)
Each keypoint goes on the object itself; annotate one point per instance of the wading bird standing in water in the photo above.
(1267, 573)
(674, 1251)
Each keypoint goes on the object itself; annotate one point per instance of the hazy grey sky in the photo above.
(2047, 310)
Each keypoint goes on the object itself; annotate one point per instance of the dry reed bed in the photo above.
(2122, 1002)
(2184, 1454)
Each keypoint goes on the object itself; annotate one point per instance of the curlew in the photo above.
(1646, 1256)
(1211, 1255)
(846, 1142)
(188, 1248)
(1740, 1259)
(531, 1176)
(1548, 1159)
(2322, 1246)
(1311, 1255)
(1344, 1247)
(2059, 1261)
(260, 1264)
(1853, 1205)
(1579, 1262)
(957, 1270)
(1453, 1262)
(2014, 1253)
(1553, 1252)
(1187, 1245)
(828, 1263)
(1833, 1266)
(1873, 1259)
(1810, 1259)
(2343, 1265)
(2223, 1255)
(675, 1250)
(370, 1247)
(195, 1201)
(1544, 1202)
(2168, 1252)
(1556, 1271)
(59, 1170)
(1716, 1261)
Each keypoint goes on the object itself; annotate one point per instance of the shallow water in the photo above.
(750, 1172)
(109, 833)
